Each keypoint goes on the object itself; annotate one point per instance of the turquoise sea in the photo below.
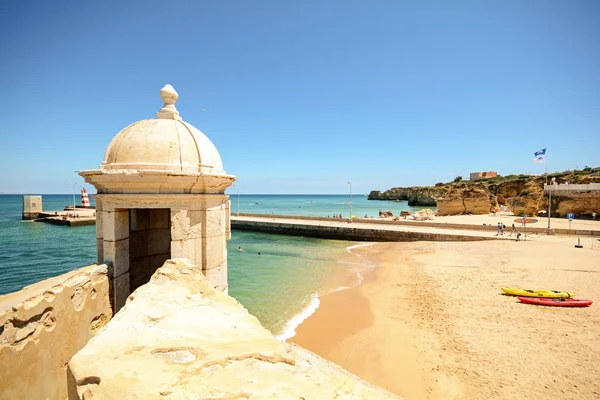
(281, 286)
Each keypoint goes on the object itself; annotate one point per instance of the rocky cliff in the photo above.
(521, 194)
(416, 195)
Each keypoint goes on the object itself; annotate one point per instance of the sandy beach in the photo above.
(430, 321)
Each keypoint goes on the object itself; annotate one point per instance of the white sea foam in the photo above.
(349, 248)
(310, 306)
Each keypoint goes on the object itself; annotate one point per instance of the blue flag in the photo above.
(539, 156)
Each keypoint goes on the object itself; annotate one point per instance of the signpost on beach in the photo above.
(525, 227)
(571, 216)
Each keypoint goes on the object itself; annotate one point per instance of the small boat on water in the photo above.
(561, 302)
(552, 294)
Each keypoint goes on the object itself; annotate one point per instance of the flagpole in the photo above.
(549, 206)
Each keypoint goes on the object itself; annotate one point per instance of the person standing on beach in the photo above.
(514, 230)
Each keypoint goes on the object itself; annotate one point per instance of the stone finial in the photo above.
(169, 97)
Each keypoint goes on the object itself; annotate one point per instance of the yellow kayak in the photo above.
(552, 294)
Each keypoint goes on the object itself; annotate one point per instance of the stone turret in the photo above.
(161, 195)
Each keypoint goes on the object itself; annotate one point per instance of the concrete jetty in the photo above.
(32, 210)
(358, 229)
(448, 228)
(69, 217)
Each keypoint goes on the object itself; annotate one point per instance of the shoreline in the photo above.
(336, 283)
(347, 330)
(429, 322)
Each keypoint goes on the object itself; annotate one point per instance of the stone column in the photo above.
(115, 252)
(199, 232)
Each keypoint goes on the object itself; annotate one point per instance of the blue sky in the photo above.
(304, 96)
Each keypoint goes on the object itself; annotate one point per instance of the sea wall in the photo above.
(43, 325)
(238, 223)
(353, 231)
(179, 338)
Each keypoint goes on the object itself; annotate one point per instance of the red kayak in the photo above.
(561, 302)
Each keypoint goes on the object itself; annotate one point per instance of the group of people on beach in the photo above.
(336, 216)
(502, 227)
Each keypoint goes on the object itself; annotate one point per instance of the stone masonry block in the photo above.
(180, 224)
(117, 253)
(159, 218)
(206, 202)
(99, 224)
(198, 253)
(215, 224)
(98, 203)
(213, 276)
(137, 244)
(158, 241)
(215, 201)
(227, 219)
(100, 250)
(197, 219)
(121, 290)
(115, 225)
(139, 219)
(139, 272)
(214, 251)
(184, 249)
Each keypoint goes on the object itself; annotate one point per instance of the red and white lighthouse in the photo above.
(85, 201)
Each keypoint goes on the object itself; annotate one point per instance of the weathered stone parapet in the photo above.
(177, 338)
(43, 325)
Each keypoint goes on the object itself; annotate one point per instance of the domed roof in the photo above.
(166, 143)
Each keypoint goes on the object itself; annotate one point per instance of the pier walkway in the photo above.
(455, 228)
(358, 229)
(84, 216)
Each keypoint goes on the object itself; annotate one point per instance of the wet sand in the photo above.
(431, 323)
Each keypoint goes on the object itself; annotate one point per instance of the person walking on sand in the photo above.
(514, 230)
(518, 236)
(499, 226)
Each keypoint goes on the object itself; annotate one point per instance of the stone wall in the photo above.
(353, 231)
(43, 325)
(443, 225)
(179, 338)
